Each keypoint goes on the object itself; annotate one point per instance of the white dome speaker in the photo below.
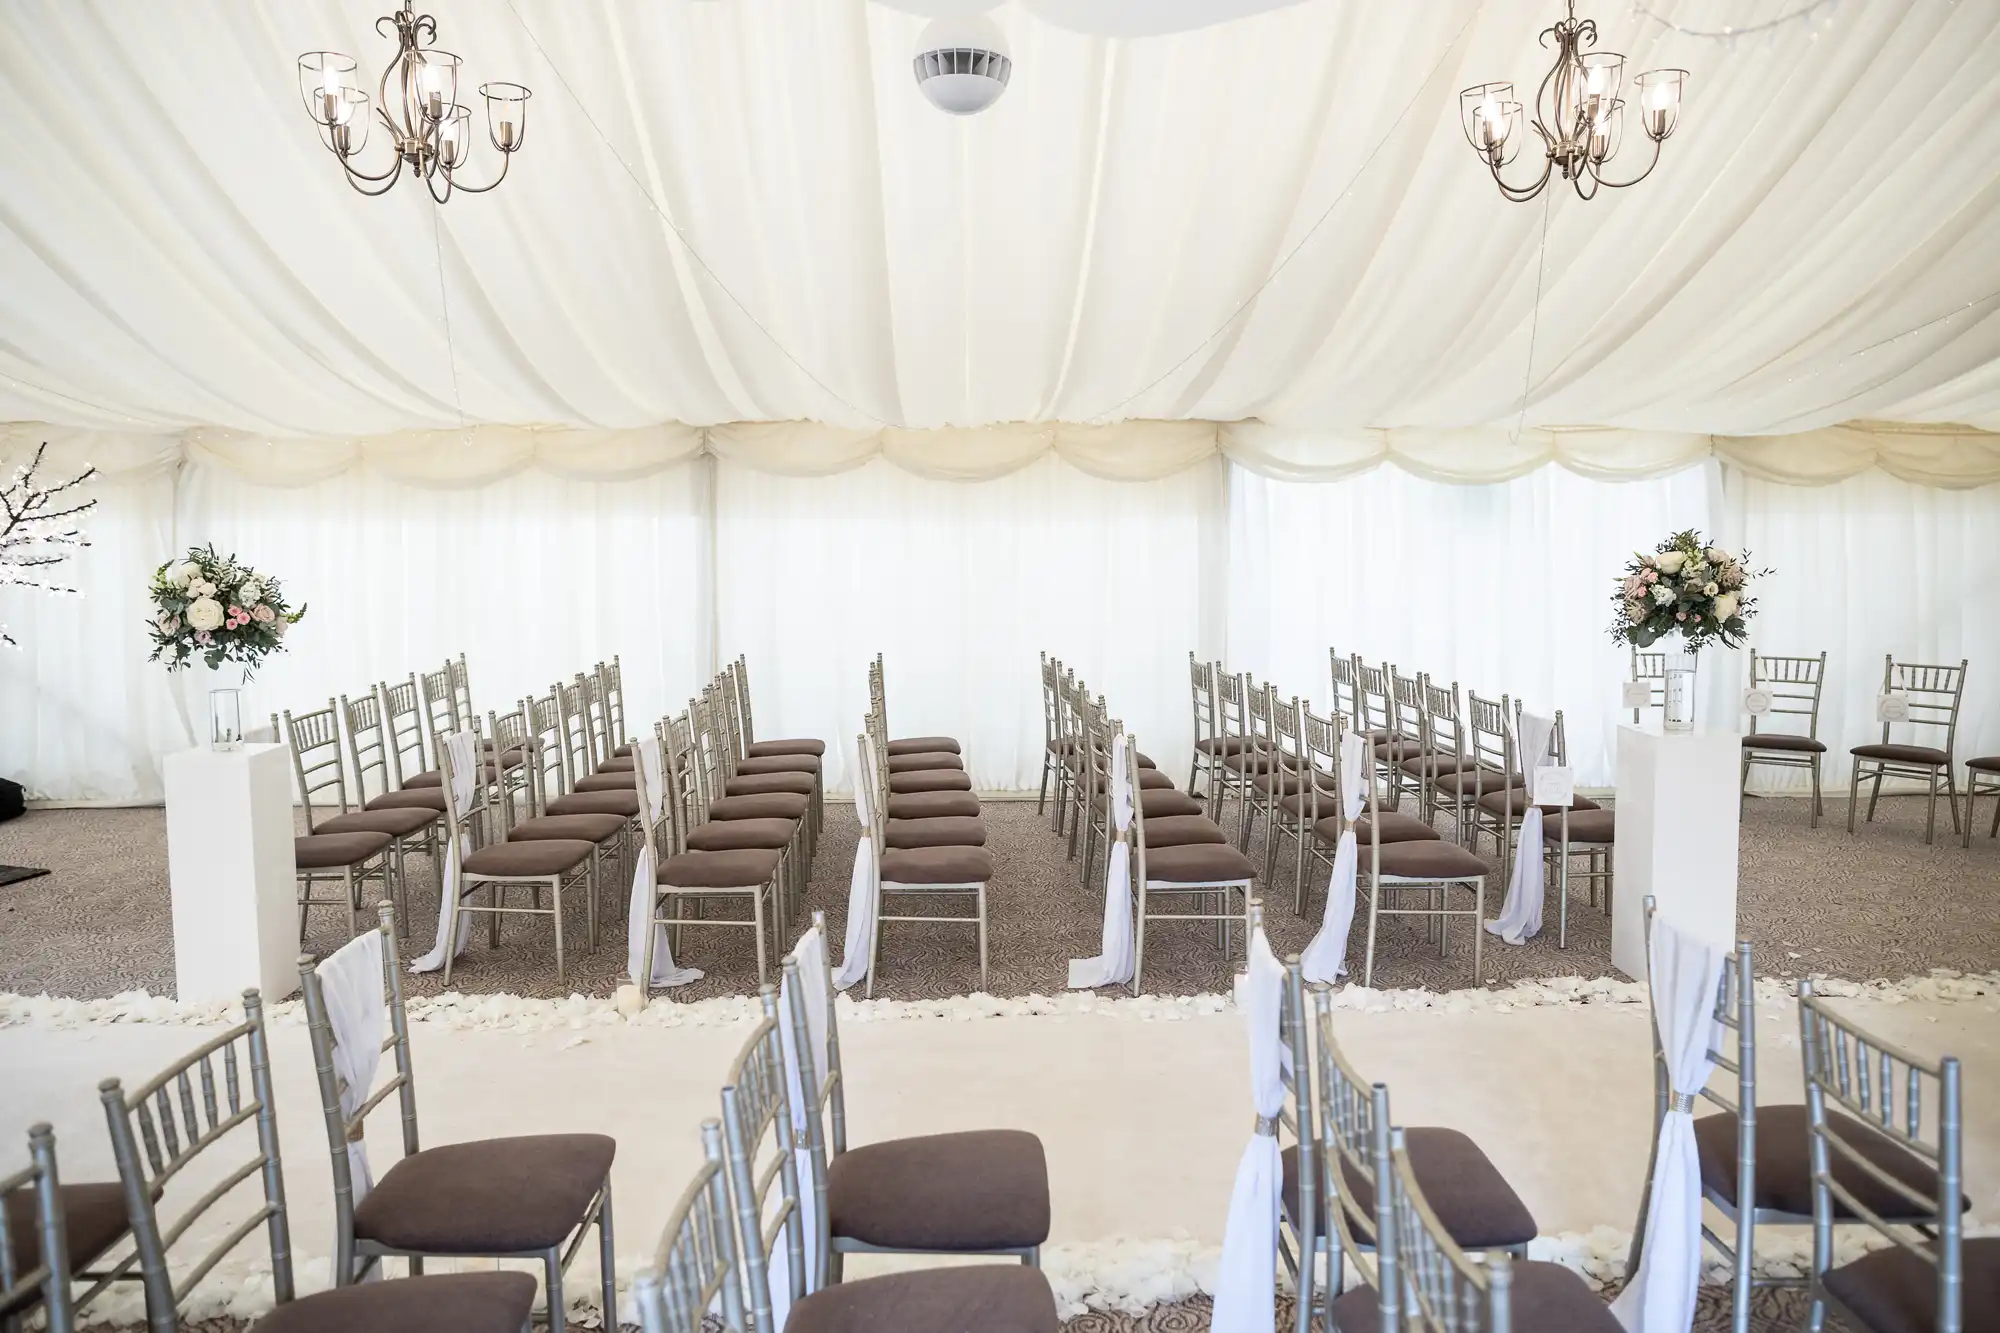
(962, 64)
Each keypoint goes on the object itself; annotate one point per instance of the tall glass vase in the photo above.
(225, 709)
(1677, 709)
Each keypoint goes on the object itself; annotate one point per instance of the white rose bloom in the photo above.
(279, 626)
(205, 613)
(199, 588)
(1725, 606)
(1662, 593)
(250, 593)
(179, 574)
(1717, 556)
(1710, 589)
(1669, 562)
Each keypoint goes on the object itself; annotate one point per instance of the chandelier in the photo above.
(1578, 113)
(417, 103)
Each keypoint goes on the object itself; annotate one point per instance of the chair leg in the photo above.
(552, 1288)
(1853, 793)
(1951, 797)
(757, 916)
(1818, 805)
(555, 907)
(1479, 932)
(607, 1257)
(1875, 794)
(1368, 967)
(982, 937)
(1139, 940)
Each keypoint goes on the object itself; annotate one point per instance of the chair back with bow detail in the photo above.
(763, 1170)
(1300, 1241)
(695, 1267)
(1791, 686)
(1443, 1289)
(1929, 698)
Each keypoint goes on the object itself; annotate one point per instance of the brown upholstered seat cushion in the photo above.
(937, 865)
(1152, 779)
(1060, 745)
(617, 763)
(1985, 763)
(977, 1190)
(1784, 1163)
(1894, 1291)
(445, 1303)
(733, 835)
(1546, 1297)
(1585, 826)
(552, 856)
(1482, 780)
(1197, 863)
(760, 784)
(623, 803)
(769, 805)
(1466, 1191)
(797, 745)
(923, 745)
(918, 761)
(582, 827)
(1395, 828)
(1901, 754)
(1219, 744)
(491, 1196)
(396, 821)
(621, 751)
(930, 779)
(932, 805)
(1512, 802)
(1143, 760)
(1778, 740)
(93, 1220)
(606, 782)
(330, 851)
(967, 1298)
(1329, 800)
(1422, 859)
(1164, 802)
(433, 778)
(1421, 765)
(1400, 748)
(1290, 784)
(410, 798)
(1182, 831)
(744, 868)
(778, 763)
(1249, 760)
(944, 831)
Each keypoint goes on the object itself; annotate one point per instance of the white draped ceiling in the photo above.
(1233, 211)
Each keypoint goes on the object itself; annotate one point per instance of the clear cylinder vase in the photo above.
(1677, 708)
(225, 711)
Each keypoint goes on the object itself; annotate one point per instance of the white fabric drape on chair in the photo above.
(357, 1009)
(1684, 974)
(1325, 958)
(1520, 918)
(810, 954)
(1115, 959)
(862, 906)
(465, 767)
(650, 766)
(1246, 1281)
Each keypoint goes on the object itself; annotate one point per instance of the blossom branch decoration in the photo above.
(37, 531)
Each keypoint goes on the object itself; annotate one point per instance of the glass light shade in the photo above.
(455, 136)
(350, 132)
(1482, 113)
(1603, 74)
(1607, 130)
(322, 75)
(437, 83)
(506, 114)
(1660, 100)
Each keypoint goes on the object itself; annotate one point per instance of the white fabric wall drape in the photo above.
(1432, 577)
(960, 586)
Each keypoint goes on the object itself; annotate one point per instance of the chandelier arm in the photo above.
(388, 182)
(352, 170)
(430, 184)
(505, 158)
(1620, 185)
(1520, 194)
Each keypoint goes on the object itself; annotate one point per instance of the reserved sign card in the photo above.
(1756, 702)
(1555, 784)
(1638, 694)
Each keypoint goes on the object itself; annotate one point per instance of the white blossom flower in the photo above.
(1710, 589)
(169, 623)
(1669, 562)
(250, 593)
(1662, 593)
(1725, 606)
(180, 574)
(204, 613)
(200, 588)
(1718, 556)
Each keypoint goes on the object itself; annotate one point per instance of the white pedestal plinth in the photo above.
(1677, 818)
(229, 860)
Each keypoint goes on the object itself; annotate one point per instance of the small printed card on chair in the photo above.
(1555, 784)
(1638, 694)
(1892, 707)
(1756, 702)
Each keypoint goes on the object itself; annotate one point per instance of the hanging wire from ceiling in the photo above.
(686, 243)
(1346, 192)
(444, 307)
(1735, 32)
(1534, 323)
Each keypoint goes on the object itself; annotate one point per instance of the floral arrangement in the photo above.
(1684, 587)
(208, 606)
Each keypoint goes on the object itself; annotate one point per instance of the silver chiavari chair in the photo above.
(686, 881)
(1265, 780)
(611, 688)
(440, 702)
(1409, 739)
(1652, 669)
(534, 1197)
(1430, 870)
(1489, 765)
(34, 1241)
(739, 676)
(548, 752)
(1322, 802)
(1930, 1277)
(579, 746)
(369, 752)
(1346, 705)
(1443, 749)
(1182, 815)
(498, 865)
(461, 687)
(1374, 711)
(1502, 813)
(1209, 743)
(878, 690)
(608, 831)
(1240, 759)
(1301, 1220)
(1982, 778)
(1077, 797)
(1934, 694)
(314, 739)
(1214, 875)
(786, 768)
(1290, 808)
(596, 716)
(770, 821)
(1052, 732)
(352, 860)
(923, 873)
(1794, 684)
(406, 738)
(694, 1269)
(983, 1191)
(776, 775)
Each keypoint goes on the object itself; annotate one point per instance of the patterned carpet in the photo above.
(1879, 904)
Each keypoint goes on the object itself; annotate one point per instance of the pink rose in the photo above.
(264, 613)
(202, 636)
(1651, 576)
(1680, 615)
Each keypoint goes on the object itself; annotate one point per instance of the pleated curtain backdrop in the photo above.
(1502, 587)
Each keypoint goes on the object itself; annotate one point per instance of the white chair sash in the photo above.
(1114, 962)
(650, 768)
(351, 982)
(1246, 1283)
(810, 953)
(1684, 974)
(454, 929)
(1520, 918)
(860, 941)
(1325, 959)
